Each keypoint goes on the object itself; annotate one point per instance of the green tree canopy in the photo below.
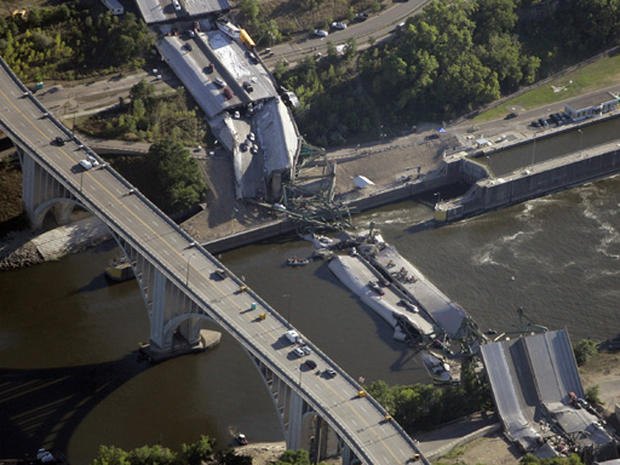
(178, 175)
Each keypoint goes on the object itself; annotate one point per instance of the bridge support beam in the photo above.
(42, 193)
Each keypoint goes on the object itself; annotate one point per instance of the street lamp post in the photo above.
(580, 141)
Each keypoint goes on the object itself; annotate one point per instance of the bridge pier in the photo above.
(42, 193)
(172, 314)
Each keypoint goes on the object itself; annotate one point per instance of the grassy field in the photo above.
(602, 73)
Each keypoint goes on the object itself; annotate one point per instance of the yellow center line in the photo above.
(180, 255)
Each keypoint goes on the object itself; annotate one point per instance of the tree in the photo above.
(584, 350)
(494, 17)
(178, 175)
(592, 395)
(198, 451)
(152, 455)
(110, 455)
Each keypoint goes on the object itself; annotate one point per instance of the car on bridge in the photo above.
(292, 336)
(59, 141)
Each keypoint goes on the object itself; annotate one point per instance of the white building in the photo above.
(592, 105)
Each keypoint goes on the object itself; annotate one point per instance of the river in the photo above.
(71, 378)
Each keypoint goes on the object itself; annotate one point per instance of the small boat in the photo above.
(119, 270)
(241, 439)
(297, 261)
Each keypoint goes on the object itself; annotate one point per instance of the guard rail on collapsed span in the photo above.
(358, 421)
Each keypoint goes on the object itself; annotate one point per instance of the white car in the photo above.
(93, 161)
(292, 335)
(219, 82)
(299, 352)
(85, 164)
(339, 25)
(176, 5)
(320, 33)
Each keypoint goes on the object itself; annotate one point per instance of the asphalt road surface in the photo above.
(377, 26)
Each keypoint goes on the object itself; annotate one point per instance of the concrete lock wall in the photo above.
(492, 194)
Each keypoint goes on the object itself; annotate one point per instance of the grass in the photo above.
(602, 73)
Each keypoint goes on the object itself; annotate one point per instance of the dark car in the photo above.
(360, 17)
(188, 47)
(543, 123)
(310, 364)
(59, 141)
(535, 124)
(208, 69)
(432, 136)
(510, 116)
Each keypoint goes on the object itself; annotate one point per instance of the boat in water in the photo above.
(119, 270)
(297, 261)
(241, 439)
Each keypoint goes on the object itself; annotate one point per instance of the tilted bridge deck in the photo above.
(359, 421)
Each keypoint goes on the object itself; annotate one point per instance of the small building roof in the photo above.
(591, 100)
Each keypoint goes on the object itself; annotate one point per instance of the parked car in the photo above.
(535, 124)
(320, 33)
(432, 136)
(228, 94)
(510, 116)
(339, 25)
(359, 17)
(176, 5)
(219, 82)
(208, 69)
(187, 47)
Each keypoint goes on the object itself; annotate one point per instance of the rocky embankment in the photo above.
(17, 250)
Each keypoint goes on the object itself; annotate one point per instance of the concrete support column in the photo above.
(295, 420)
(158, 313)
(28, 185)
(347, 456)
(62, 212)
(190, 330)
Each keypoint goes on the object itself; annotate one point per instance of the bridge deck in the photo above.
(359, 421)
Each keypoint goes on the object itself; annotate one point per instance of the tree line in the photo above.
(201, 452)
(76, 39)
(452, 58)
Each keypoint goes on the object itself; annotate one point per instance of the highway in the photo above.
(377, 26)
(359, 421)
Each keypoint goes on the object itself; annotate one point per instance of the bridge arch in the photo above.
(63, 207)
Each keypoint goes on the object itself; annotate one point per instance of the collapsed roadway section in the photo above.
(216, 62)
(539, 396)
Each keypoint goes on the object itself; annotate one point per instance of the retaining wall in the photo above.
(490, 194)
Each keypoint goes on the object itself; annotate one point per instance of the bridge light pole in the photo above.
(580, 141)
